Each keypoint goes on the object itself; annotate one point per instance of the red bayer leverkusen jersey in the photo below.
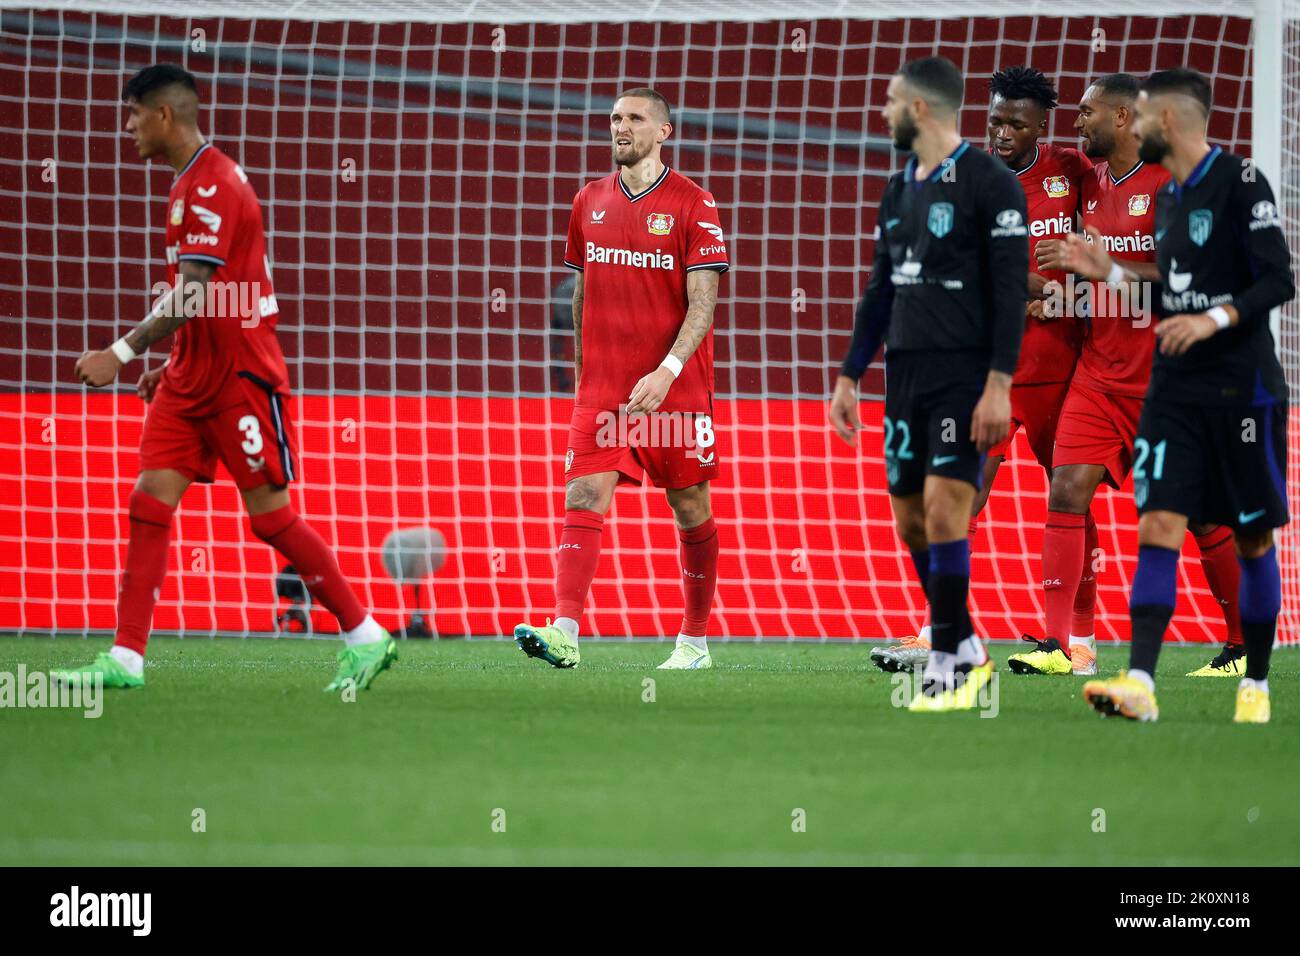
(1052, 183)
(213, 216)
(634, 253)
(1117, 350)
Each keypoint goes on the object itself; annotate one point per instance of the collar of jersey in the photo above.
(197, 153)
(641, 195)
(1115, 182)
(1197, 174)
(1031, 165)
(909, 171)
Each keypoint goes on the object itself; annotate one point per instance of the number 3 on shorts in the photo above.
(252, 442)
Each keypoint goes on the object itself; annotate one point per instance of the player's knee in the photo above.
(690, 513)
(690, 505)
(584, 495)
(1162, 529)
(1254, 544)
(1070, 492)
(165, 486)
(909, 522)
(947, 509)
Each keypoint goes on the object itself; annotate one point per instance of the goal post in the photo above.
(416, 160)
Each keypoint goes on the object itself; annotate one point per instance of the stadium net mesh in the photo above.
(416, 163)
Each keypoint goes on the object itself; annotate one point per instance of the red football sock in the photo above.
(146, 566)
(1083, 620)
(576, 564)
(1062, 569)
(314, 561)
(1223, 573)
(699, 554)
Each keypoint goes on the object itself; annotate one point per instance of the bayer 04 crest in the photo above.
(940, 220)
(1199, 224)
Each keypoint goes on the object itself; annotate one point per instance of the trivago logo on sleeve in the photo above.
(76, 908)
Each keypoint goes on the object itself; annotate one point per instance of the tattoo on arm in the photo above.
(577, 329)
(175, 308)
(701, 298)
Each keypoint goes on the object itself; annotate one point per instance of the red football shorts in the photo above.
(1036, 409)
(1098, 428)
(673, 449)
(252, 438)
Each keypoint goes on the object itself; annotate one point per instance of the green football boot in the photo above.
(109, 669)
(1047, 658)
(362, 663)
(1230, 662)
(548, 643)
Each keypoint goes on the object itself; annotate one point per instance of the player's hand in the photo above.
(1048, 254)
(148, 384)
(1034, 309)
(1088, 259)
(649, 393)
(1036, 284)
(844, 410)
(991, 420)
(1178, 333)
(97, 368)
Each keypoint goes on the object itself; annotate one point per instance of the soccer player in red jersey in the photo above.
(1051, 176)
(1095, 440)
(221, 395)
(648, 249)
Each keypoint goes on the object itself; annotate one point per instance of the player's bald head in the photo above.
(166, 84)
(1185, 93)
(937, 81)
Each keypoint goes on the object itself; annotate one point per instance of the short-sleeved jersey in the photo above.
(1219, 241)
(634, 252)
(1052, 182)
(213, 216)
(1117, 349)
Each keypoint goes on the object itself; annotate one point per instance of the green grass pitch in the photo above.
(581, 769)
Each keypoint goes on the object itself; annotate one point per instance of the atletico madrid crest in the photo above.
(1199, 224)
(1138, 205)
(660, 223)
(1056, 187)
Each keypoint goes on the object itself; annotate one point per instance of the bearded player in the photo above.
(1022, 100)
(647, 246)
(947, 297)
(1095, 440)
(1212, 440)
(222, 394)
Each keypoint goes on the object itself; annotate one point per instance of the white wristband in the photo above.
(673, 364)
(125, 354)
(1116, 275)
(1220, 316)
